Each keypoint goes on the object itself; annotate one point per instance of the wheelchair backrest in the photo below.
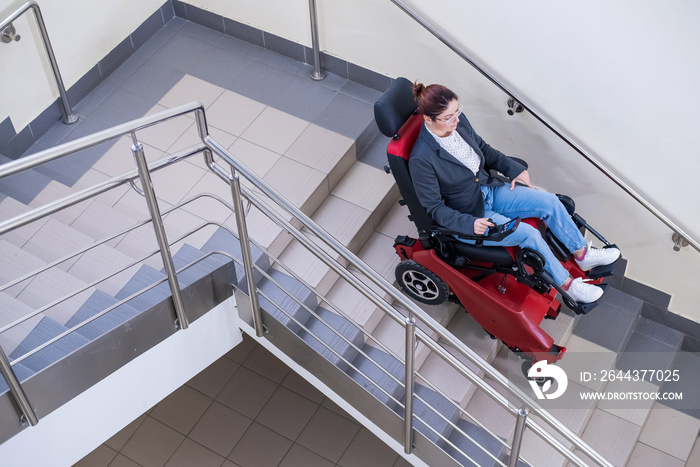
(397, 116)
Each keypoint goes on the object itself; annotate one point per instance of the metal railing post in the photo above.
(317, 74)
(162, 239)
(23, 406)
(518, 436)
(410, 368)
(67, 114)
(245, 252)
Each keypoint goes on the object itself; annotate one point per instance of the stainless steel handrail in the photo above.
(67, 114)
(683, 235)
(400, 298)
(267, 190)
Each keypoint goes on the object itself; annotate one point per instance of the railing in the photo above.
(67, 114)
(679, 237)
(414, 333)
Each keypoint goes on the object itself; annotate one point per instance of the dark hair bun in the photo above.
(418, 89)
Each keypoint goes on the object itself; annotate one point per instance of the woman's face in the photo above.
(447, 121)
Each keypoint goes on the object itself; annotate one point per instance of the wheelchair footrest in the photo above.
(604, 271)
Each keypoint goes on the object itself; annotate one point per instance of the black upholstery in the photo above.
(394, 107)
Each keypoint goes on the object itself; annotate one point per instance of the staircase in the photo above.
(310, 312)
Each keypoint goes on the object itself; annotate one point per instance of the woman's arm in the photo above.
(425, 182)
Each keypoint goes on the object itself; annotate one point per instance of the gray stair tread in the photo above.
(278, 301)
(22, 373)
(186, 255)
(46, 330)
(98, 302)
(145, 277)
(23, 186)
(610, 324)
(16, 263)
(224, 241)
(343, 351)
(480, 440)
(70, 168)
(435, 411)
(687, 366)
(373, 376)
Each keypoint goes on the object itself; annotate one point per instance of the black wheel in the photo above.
(421, 283)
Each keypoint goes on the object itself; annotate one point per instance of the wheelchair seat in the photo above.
(397, 116)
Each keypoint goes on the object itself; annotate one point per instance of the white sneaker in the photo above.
(597, 257)
(583, 292)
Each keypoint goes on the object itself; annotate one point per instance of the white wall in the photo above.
(82, 32)
(619, 77)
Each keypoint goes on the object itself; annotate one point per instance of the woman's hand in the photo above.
(524, 178)
(482, 225)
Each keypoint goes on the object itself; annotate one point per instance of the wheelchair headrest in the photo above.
(394, 107)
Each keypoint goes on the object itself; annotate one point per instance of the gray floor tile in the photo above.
(221, 67)
(346, 115)
(202, 33)
(181, 52)
(241, 47)
(152, 81)
(304, 98)
(375, 153)
(260, 446)
(261, 82)
(121, 106)
(361, 92)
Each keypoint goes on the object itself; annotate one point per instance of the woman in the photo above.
(447, 168)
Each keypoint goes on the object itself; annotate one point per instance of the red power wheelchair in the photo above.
(505, 289)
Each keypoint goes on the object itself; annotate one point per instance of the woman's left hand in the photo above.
(523, 178)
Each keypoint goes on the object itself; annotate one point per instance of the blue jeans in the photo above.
(501, 204)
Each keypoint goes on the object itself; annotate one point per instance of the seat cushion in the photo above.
(499, 256)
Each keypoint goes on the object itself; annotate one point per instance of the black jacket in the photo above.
(446, 188)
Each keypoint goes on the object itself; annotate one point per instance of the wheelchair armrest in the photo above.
(496, 233)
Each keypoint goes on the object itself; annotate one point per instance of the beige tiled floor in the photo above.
(246, 409)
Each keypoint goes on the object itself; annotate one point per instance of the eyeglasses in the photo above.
(454, 116)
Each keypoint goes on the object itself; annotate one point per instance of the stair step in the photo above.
(326, 151)
(278, 302)
(10, 311)
(145, 277)
(98, 302)
(46, 330)
(350, 301)
(223, 240)
(23, 186)
(15, 264)
(54, 191)
(51, 285)
(469, 332)
(368, 188)
(10, 208)
(346, 222)
(476, 443)
(186, 255)
(562, 327)
(393, 336)
(56, 240)
(70, 168)
(371, 376)
(610, 324)
(100, 262)
(433, 414)
(343, 351)
(444, 377)
(21, 372)
(491, 414)
(300, 261)
(100, 221)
